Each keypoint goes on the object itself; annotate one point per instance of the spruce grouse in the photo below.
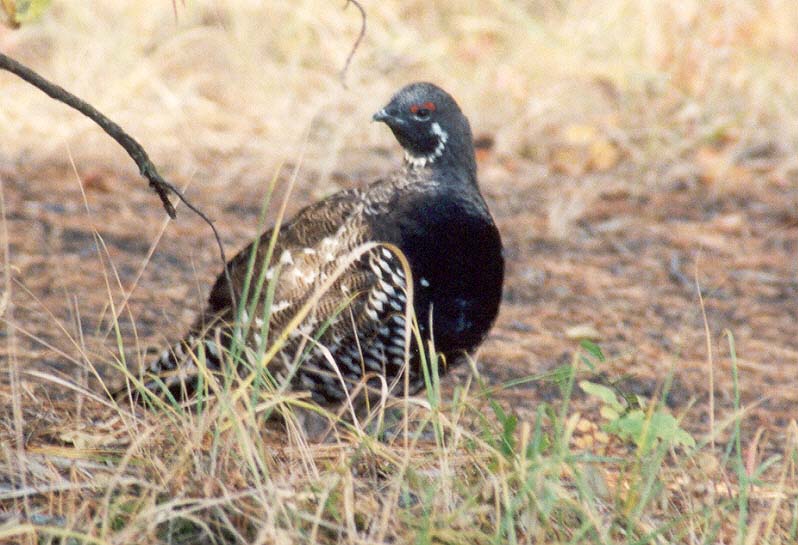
(431, 210)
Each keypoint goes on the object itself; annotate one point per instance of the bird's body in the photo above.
(338, 262)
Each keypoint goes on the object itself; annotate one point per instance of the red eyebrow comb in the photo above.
(427, 106)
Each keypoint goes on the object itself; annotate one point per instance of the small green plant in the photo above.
(644, 428)
(24, 11)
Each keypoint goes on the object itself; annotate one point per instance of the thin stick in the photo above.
(131, 146)
(359, 39)
(710, 363)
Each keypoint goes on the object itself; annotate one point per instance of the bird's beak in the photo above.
(382, 115)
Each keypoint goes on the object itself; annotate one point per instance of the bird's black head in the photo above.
(429, 125)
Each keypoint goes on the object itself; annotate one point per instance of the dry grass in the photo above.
(637, 146)
(657, 75)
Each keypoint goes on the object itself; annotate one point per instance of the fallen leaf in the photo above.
(579, 135)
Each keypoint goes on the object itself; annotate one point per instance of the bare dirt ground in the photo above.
(626, 271)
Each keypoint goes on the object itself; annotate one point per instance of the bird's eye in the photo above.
(422, 113)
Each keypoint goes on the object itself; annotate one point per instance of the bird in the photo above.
(343, 279)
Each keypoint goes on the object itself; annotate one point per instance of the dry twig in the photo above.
(131, 146)
(357, 41)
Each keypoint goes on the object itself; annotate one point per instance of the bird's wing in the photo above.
(311, 225)
(317, 249)
(350, 299)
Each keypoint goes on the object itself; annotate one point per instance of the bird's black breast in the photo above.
(455, 254)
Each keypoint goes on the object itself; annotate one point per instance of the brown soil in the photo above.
(627, 264)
